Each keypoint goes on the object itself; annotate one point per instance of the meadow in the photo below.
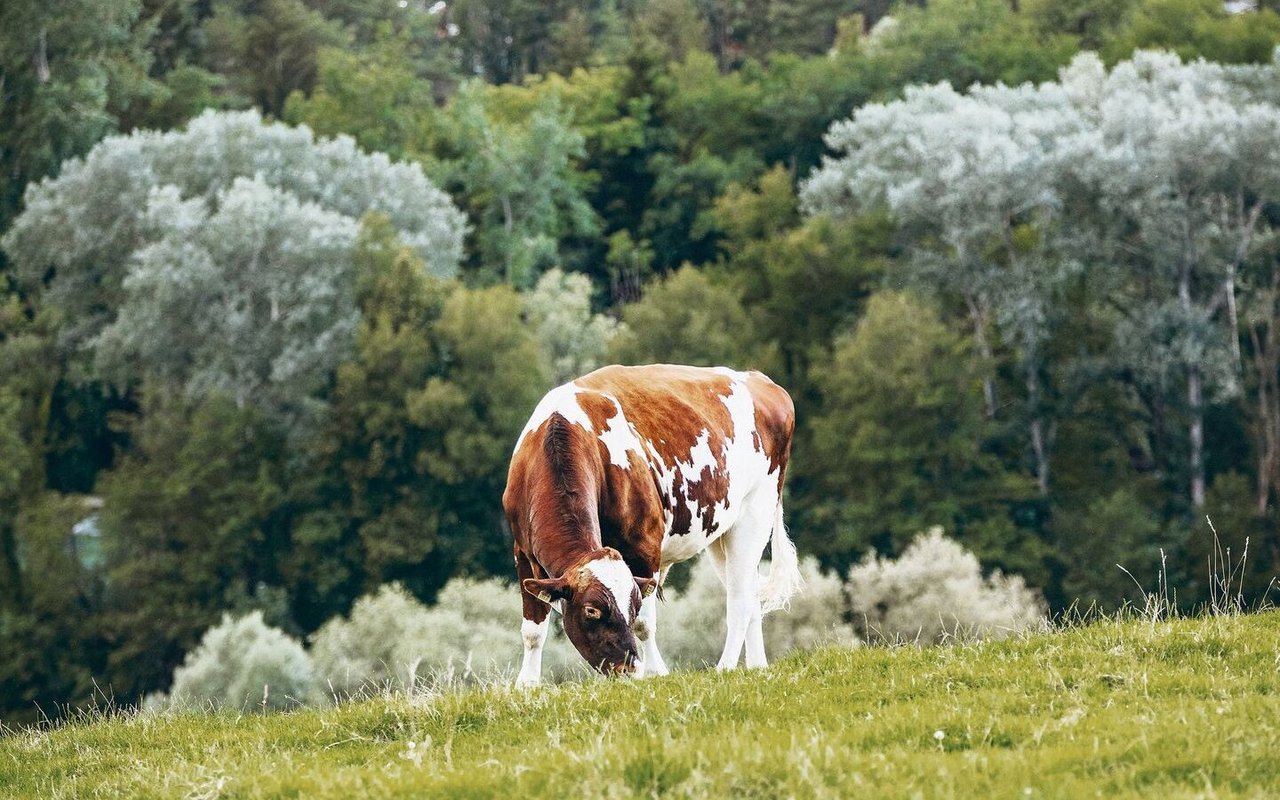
(1130, 707)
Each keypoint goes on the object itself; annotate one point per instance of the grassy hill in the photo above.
(1115, 709)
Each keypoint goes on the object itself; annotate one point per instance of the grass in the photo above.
(1128, 708)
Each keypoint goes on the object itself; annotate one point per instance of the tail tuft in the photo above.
(784, 578)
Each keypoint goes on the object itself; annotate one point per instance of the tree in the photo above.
(1181, 157)
(66, 69)
(974, 180)
(572, 339)
(522, 182)
(897, 445)
(964, 42)
(268, 48)
(373, 97)
(190, 528)
(687, 318)
(1193, 28)
(144, 208)
(802, 281)
(412, 457)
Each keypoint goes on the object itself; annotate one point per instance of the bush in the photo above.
(691, 625)
(935, 591)
(391, 640)
(353, 652)
(244, 663)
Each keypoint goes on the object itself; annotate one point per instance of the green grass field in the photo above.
(1187, 708)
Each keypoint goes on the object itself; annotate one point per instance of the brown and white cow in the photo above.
(628, 470)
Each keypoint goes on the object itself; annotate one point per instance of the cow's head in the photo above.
(600, 606)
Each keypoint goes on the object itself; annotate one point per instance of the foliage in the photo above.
(896, 446)
(356, 651)
(244, 338)
(51, 637)
(375, 98)
(689, 319)
(523, 190)
(1194, 28)
(935, 592)
(66, 69)
(269, 48)
(391, 641)
(416, 442)
(573, 340)
(190, 529)
(242, 663)
(106, 198)
(691, 624)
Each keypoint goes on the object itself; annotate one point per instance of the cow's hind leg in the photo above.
(739, 556)
(533, 630)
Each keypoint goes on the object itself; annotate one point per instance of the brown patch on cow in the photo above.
(775, 421)
(710, 491)
(681, 516)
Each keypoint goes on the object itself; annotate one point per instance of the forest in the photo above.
(283, 280)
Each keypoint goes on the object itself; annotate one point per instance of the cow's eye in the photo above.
(592, 612)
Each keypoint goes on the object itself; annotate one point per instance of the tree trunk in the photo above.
(1266, 360)
(1195, 403)
(1195, 394)
(978, 316)
(1039, 446)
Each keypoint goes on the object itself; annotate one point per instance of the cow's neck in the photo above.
(566, 508)
(563, 546)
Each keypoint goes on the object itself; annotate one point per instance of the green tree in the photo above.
(965, 42)
(374, 97)
(66, 69)
(190, 529)
(898, 444)
(522, 182)
(802, 281)
(422, 420)
(52, 637)
(1195, 28)
(268, 49)
(687, 318)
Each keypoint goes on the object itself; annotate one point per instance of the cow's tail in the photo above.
(784, 571)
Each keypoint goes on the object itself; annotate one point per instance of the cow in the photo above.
(627, 470)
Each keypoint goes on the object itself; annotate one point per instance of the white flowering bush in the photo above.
(390, 640)
(243, 663)
(691, 624)
(356, 651)
(936, 591)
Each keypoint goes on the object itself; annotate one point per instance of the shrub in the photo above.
(244, 663)
(473, 633)
(691, 624)
(391, 640)
(936, 591)
(353, 652)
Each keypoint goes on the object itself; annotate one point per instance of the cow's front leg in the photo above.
(533, 630)
(647, 629)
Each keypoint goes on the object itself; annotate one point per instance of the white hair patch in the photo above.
(615, 575)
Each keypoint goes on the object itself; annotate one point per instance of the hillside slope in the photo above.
(1114, 709)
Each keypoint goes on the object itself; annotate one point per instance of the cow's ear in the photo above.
(646, 586)
(548, 590)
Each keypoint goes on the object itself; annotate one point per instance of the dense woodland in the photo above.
(284, 278)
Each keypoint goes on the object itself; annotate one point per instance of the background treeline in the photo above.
(248, 366)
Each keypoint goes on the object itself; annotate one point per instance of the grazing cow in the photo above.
(628, 470)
